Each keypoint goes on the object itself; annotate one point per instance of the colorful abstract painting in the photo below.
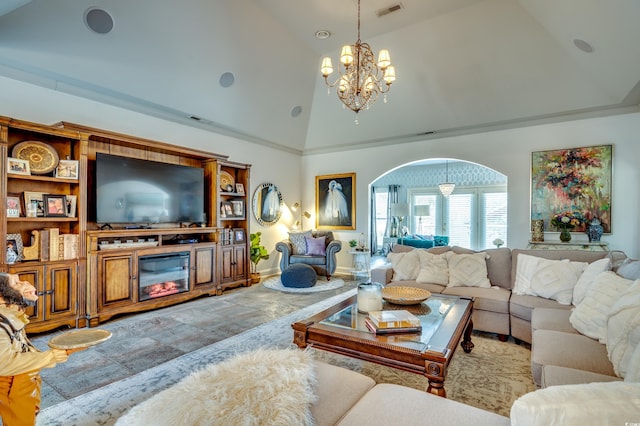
(576, 180)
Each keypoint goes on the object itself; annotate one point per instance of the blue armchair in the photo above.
(323, 264)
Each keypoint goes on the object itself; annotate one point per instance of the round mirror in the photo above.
(267, 204)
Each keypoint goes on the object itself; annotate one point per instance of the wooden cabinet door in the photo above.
(226, 264)
(35, 275)
(60, 289)
(240, 259)
(203, 265)
(116, 278)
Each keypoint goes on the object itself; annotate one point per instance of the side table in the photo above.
(361, 268)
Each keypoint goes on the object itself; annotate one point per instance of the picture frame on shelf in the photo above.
(55, 205)
(67, 169)
(239, 235)
(336, 201)
(14, 248)
(225, 209)
(238, 208)
(72, 205)
(17, 166)
(37, 198)
(239, 189)
(14, 205)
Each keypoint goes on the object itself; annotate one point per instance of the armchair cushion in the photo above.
(298, 241)
(316, 246)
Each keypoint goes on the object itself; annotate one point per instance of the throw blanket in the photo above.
(263, 387)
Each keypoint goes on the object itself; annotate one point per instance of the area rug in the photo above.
(491, 377)
(274, 283)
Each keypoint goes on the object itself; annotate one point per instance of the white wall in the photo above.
(509, 152)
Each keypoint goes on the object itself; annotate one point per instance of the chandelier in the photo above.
(447, 187)
(361, 80)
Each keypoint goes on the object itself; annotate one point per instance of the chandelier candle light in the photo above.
(361, 80)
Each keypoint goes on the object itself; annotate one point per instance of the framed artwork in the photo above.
(14, 205)
(67, 169)
(35, 198)
(238, 235)
(336, 201)
(238, 208)
(14, 248)
(225, 209)
(17, 166)
(577, 180)
(267, 204)
(55, 205)
(240, 188)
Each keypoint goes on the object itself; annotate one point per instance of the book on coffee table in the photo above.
(394, 319)
(372, 327)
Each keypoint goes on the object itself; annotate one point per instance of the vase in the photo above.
(537, 230)
(565, 235)
(595, 230)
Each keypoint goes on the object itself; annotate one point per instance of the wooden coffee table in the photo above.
(446, 320)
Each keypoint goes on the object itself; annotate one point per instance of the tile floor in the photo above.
(146, 339)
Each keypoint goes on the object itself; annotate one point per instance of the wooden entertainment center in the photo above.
(114, 271)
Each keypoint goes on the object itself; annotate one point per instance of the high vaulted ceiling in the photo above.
(462, 65)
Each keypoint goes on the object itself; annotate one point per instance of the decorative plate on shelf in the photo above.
(42, 157)
(405, 295)
(79, 339)
(225, 180)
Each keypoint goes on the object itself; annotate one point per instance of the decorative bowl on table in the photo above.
(405, 295)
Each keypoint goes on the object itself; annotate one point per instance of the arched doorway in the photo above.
(408, 205)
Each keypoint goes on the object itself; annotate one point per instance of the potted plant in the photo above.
(353, 243)
(257, 252)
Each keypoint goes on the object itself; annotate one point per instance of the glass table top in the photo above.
(431, 313)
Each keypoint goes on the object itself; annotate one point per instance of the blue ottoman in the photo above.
(299, 275)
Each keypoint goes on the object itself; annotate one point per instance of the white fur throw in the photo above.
(263, 387)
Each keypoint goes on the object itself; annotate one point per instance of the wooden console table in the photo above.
(571, 245)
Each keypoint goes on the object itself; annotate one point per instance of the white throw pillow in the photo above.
(525, 269)
(605, 403)
(433, 268)
(468, 270)
(586, 279)
(555, 279)
(623, 330)
(591, 315)
(405, 265)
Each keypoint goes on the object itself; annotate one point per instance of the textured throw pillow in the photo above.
(608, 403)
(591, 315)
(316, 246)
(525, 269)
(555, 279)
(405, 265)
(629, 269)
(586, 279)
(623, 331)
(433, 268)
(468, 270)
(298, 242)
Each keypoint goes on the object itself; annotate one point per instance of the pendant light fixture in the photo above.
(446, 188)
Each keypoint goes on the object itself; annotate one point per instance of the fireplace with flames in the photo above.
(163, 275)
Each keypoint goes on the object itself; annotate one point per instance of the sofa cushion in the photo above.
(552, 319)
(552, 375)
(550, 347)
(522, 306)
(614, 403)
(433, 268)
(623, 329)
(405, 265)
(494, 299)
(498, 264)
(587, 278)
(468, 270)
(591, 315)
(299, 242)
(316, 246)
(388, 404)
(338, 390)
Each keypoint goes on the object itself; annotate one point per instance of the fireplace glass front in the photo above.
(162, 275)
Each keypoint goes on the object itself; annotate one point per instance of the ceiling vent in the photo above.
(388, 10)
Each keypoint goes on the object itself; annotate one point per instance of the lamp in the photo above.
(400, 210)
(421, 210)
(361, 80)
(447, 187)
(295, 207)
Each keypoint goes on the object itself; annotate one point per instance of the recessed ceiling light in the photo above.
(98, 20)
(323, 34)
(227, 79)
(583, 45)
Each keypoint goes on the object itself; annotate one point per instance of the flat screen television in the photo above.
(134, 191)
